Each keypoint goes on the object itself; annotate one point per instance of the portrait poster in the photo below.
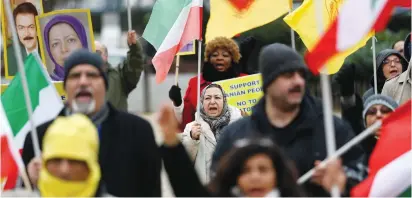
(188, 49)
(60, 33)
(24, 12)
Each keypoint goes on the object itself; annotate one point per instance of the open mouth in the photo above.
(212, 108)
(256, 192)
(220, 66)
(84, 96)
(394, 72)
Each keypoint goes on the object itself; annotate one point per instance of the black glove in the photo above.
(346, 80)
(246, 45)
(175, 95)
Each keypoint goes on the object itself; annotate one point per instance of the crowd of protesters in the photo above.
(95, 148)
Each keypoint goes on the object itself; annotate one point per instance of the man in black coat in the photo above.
(128, 155)
(293, 119)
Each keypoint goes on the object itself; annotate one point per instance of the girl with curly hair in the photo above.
(222, 57)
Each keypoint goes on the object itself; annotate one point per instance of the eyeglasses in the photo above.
(396, 61)
(383, 110)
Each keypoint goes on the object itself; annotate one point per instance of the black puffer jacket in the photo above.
(303, 140)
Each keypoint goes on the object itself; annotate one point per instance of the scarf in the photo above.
(210, 74)
(97, 118)
(215, 123)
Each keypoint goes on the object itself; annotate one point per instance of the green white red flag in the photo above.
(172, 25)
(390, 163)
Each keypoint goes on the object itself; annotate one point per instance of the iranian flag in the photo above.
(45, 101)
(355, 20)
(390, 163)
(172, 25)
(11, 161)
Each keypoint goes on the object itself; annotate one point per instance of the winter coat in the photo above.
(201, 150)
(129, 158)
(186, 111)
(303, 140)
(124, 78)
(393, 88)
(353, 113)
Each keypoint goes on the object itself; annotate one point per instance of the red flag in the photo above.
(390, 171)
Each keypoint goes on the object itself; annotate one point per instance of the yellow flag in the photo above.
(231, 17)
(303, 21)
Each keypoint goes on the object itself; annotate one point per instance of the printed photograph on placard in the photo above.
(188, 49)
(61, 33)
(24, 13)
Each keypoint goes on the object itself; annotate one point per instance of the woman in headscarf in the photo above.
(221, 63)
(215, 114)
(253, 168)
(62, 35)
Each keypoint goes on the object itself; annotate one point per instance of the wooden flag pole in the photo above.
(22, 72)
(177, 69)
(327, 102)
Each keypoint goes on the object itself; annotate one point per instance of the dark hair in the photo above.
(230, 168)
(27, 8)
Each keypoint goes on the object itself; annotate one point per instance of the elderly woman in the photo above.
(63, 35)
(221, 63)
(215, 114)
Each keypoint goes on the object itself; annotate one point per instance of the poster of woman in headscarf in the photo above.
(61, 33)
(24, 14)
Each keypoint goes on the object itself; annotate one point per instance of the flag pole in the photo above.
(375, 73)
(327, 101)
(199, 62)
(342, 150)
(129, 16)
(22, 73)
(177, 69)
(292, 33)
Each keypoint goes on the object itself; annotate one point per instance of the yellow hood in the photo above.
(74, 137)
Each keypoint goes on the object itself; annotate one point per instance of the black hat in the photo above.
(276, 59)
(84, 56)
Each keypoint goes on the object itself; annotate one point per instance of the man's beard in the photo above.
(84, 108)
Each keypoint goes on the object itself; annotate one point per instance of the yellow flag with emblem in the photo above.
(303, 20)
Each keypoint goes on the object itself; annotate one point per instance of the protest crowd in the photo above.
(282, 141)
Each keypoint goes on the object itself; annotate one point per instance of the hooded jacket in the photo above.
(129, 158)
(379, 70)
(303, 140)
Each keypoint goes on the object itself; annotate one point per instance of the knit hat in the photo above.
(276, 59)
(84, 56)
(378, 99)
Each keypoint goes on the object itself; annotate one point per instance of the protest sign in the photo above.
(188, 49)
(243, 92)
